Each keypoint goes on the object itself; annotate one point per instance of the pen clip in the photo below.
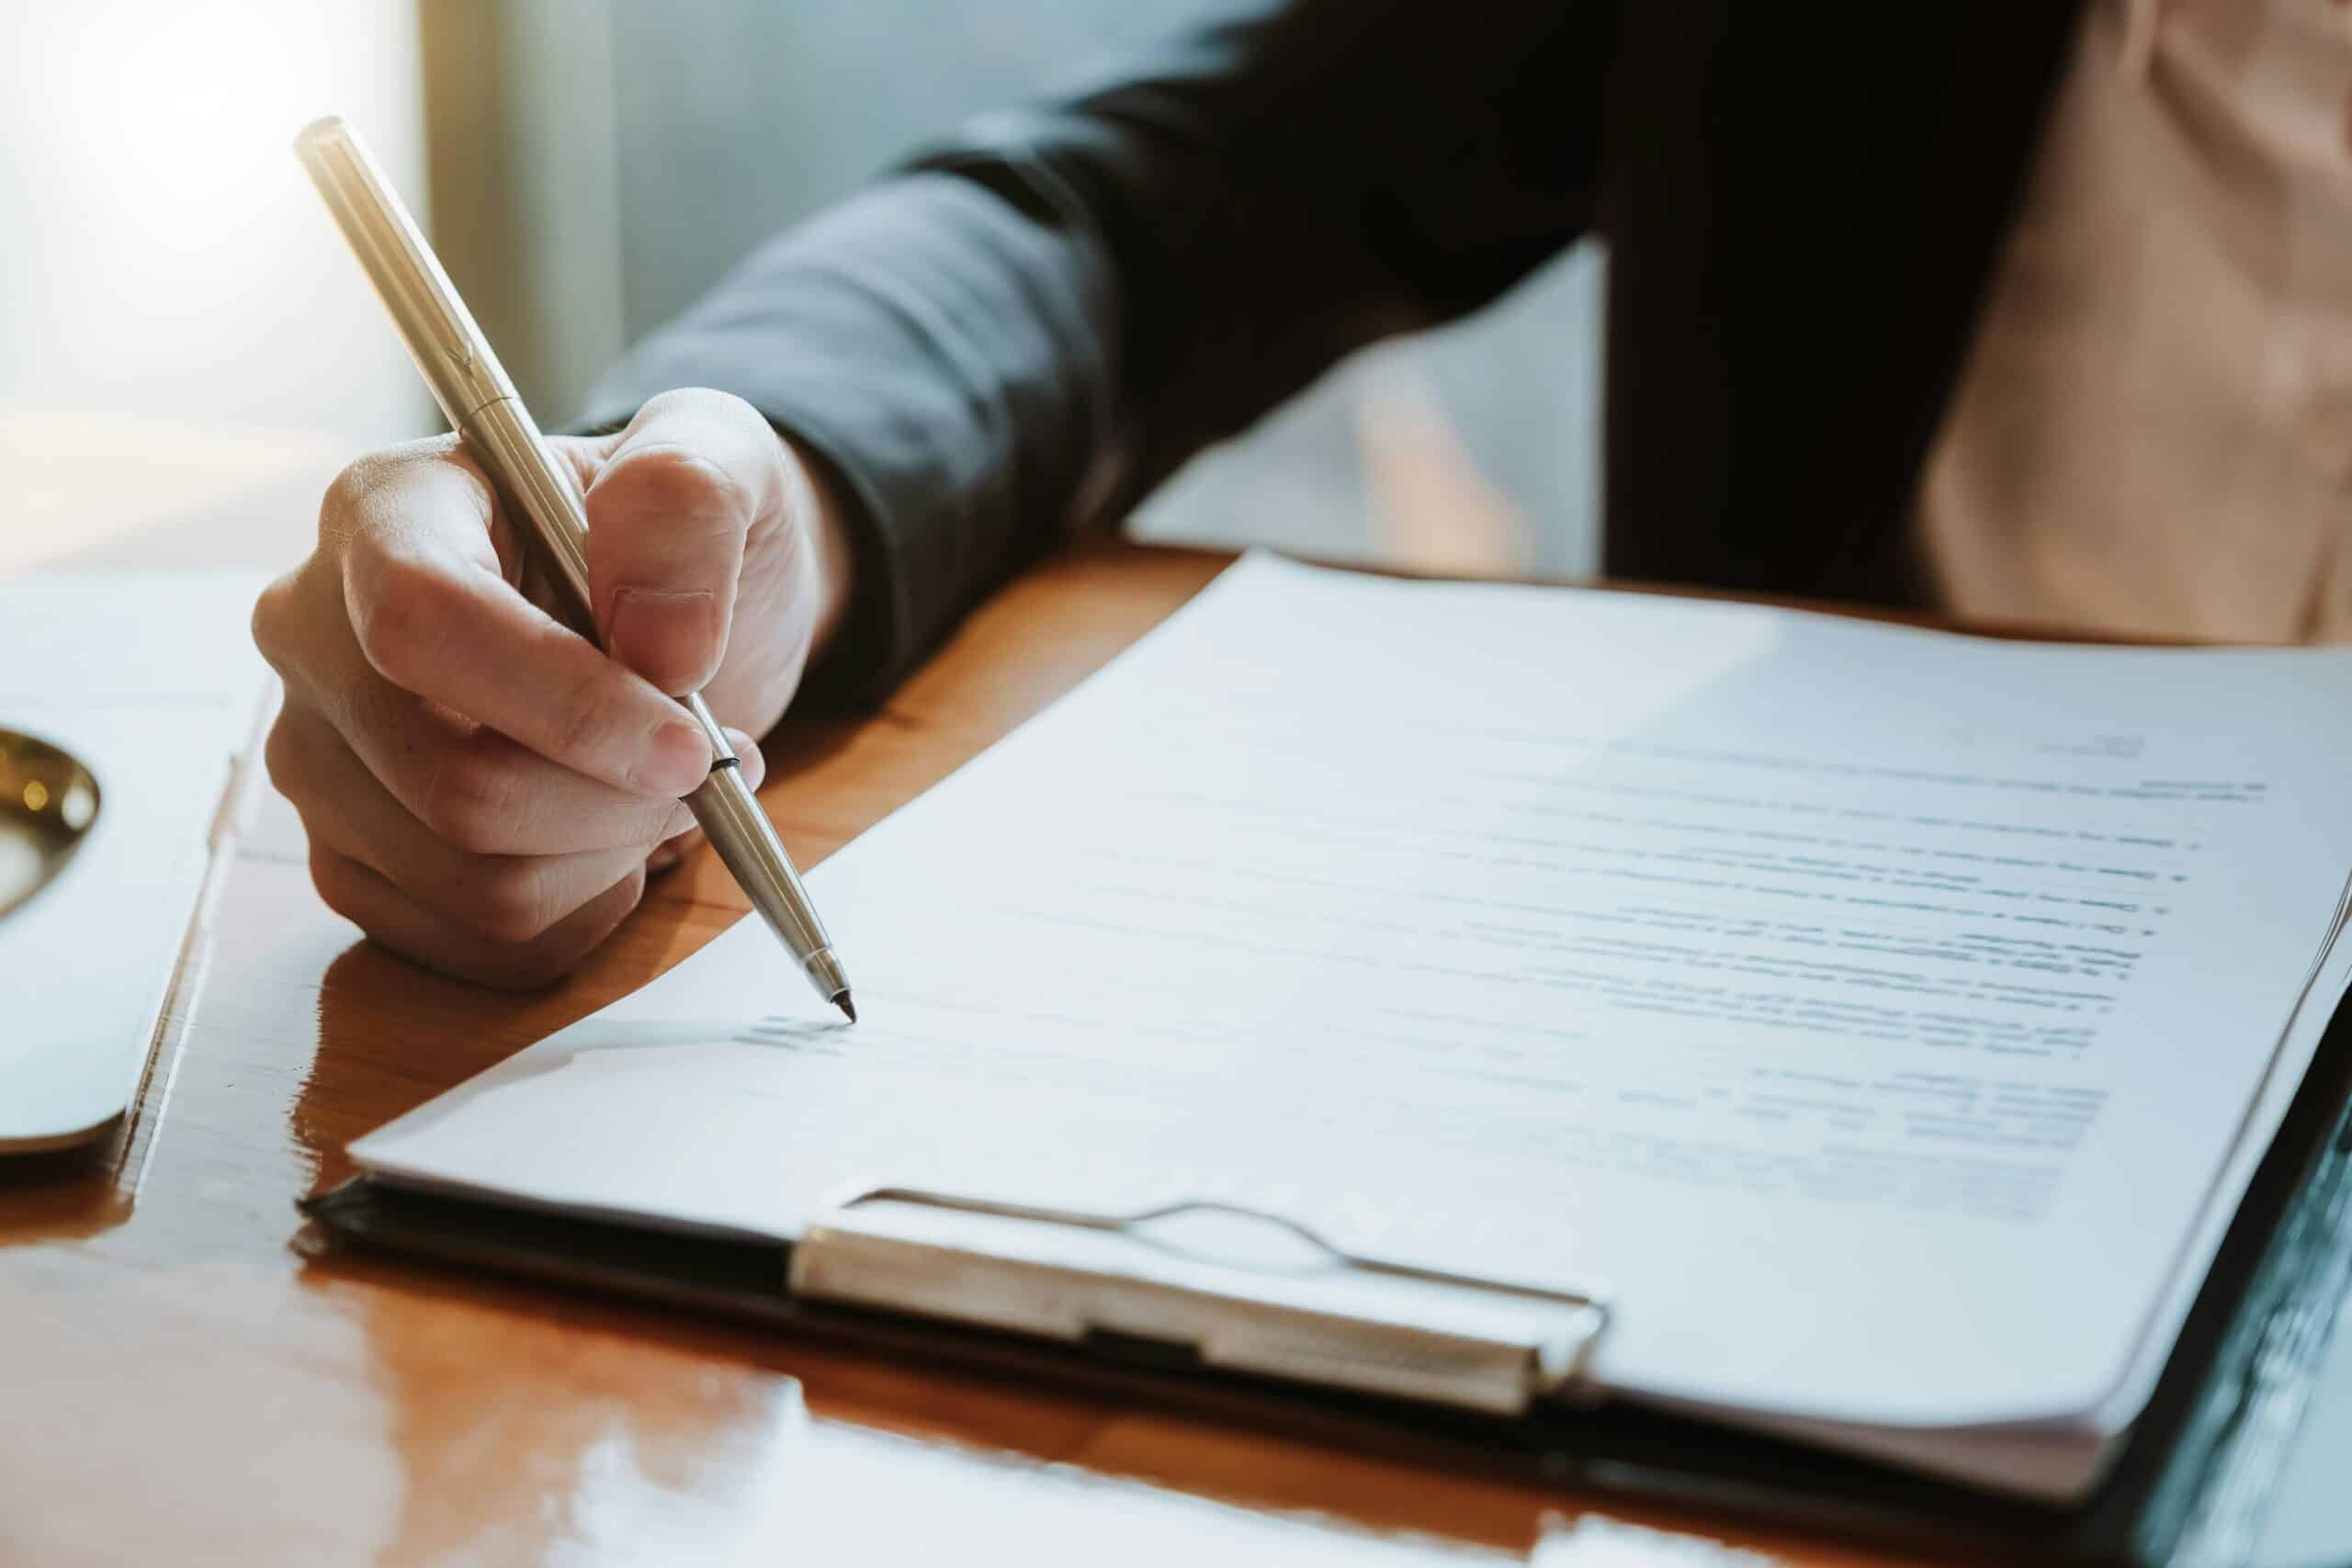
(1336, 1316)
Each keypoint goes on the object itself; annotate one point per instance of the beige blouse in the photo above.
(2152, 431)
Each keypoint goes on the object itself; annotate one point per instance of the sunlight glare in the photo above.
(186, 111)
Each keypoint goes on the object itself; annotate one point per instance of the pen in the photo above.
(482, 408)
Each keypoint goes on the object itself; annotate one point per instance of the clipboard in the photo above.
(2195, 1474)
(1321, 1317)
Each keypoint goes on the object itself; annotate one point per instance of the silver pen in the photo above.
(474, 392)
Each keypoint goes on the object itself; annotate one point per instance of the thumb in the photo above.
(670, 851)
(668, 512)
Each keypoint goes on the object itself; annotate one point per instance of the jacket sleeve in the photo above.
(1035, 321)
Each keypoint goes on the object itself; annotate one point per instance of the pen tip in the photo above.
(849, 1009)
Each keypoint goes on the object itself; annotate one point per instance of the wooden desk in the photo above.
(178, 1385)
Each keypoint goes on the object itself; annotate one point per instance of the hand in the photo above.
(483, 789)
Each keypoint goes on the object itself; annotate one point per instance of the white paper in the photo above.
(1873, 1013)
(152, 682)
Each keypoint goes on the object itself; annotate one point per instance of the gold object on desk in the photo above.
(48, 801)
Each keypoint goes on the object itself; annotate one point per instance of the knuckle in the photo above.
(283, 758)
(705, 406)
(586, 720)
(354, 496)
(656, 824)
(513, 901)
(401, 612)
(557, 953)
(348, 490)
(676, 485)
(337, 881)
(470, 799)
(674, 400)
(272, 622)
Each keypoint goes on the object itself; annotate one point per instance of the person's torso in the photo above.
(2152, 430)
(1802, 201)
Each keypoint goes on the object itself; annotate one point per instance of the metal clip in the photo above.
(1329, 1316)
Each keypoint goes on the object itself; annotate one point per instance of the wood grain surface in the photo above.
(180, 1385)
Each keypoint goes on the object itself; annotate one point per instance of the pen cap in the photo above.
(449, 349)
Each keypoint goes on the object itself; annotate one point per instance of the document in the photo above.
(1882, 1020)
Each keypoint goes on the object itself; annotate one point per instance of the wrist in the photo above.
(832, 558)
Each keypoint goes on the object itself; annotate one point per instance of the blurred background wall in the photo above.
(159, 253)
(183, 340)
(586, 167)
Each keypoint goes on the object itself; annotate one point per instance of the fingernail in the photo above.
(668, 636)
(675, 760)
(754, 765)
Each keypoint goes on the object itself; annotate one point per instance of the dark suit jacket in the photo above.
(1041, 318)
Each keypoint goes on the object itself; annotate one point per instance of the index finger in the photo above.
(436, 615)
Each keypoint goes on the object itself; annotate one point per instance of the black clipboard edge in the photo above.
(2191, 1484)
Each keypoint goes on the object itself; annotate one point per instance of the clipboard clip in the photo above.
(1207, 1283)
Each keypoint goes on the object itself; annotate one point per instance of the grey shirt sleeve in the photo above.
(1034, 322)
